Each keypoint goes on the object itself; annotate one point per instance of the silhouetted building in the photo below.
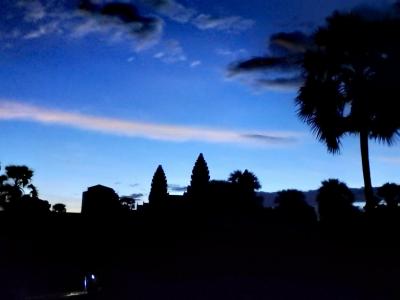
(159, 188)
(100, 200)
(200, 178)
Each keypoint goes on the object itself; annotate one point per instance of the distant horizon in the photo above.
(358, 203)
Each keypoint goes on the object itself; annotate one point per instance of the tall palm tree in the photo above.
(351, 84)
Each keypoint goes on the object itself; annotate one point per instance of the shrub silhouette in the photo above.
(59, 208)
(293, 208)
(390, 192)
(335, 202)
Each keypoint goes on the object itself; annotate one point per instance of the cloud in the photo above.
(182, 14)
(172, 10)
(178, 133)
(177, 188)
(230, 53)
(281, 84)
(232, 23)
(34, 10)
(286, 54)
(280, 68)
(44, 29)
(172, 52)
(124, 16)
(268, 138)
(275, 63)
(390, 159)
(195, 63)
(290, 42)
(137, 196)
(119, 21)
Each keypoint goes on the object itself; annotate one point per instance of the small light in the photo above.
(93, 277)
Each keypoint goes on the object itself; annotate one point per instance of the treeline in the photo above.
(236, 195)
(19, 195)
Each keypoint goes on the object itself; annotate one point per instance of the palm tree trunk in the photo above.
(369, 194)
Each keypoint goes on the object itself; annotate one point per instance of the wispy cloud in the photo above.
(172, 52)
(291, 84)
(119, 21)
(279, 69)
(126, 18)
(183, 14)
(231, 23)
(195, 63)
(231, 53)
(177, 188)
(172, 9)
(137, 196)
(34, 9)
(21, 111)
(390, 159)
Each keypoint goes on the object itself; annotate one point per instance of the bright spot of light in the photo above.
(73, 294)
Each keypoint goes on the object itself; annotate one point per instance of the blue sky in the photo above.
(87, 98)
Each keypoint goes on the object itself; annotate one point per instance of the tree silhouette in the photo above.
(200, 177)
(246, 184)
(335, 202)
(59, 208)
(246, 180)
(15, 185)
(351, 84)
(390, 192)
(293, 208)
(159, 188)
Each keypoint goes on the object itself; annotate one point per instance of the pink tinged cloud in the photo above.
(19, 111)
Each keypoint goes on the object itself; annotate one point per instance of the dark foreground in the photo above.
(193, 257)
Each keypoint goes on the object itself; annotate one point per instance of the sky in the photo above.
(102, 92)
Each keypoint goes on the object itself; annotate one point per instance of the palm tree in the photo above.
(351, 84)
(247, 180)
